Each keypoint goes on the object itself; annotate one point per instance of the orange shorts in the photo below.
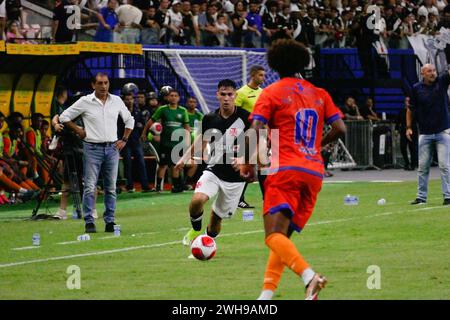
(293, 191)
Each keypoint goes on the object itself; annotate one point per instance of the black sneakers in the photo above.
(446, 202)
(244, 205)
(90, 228)
(109, 227)
(177, 190)
(419, 201)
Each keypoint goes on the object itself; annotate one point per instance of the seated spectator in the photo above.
(239, 24)
(108, 20)
(222, 29)
(129, 23)
(254, 28)
(13, 34)
(432, 24)
(33, 144)
(9, 180)
(324, 29)
(367, 111)
(195, 11)
(150, 27)
(13, 148)
(207, 25)
(269, 21)
(174, 21)
(190, 28)
(408, 27)
(45, 136)
(284, 25)
(351, 110)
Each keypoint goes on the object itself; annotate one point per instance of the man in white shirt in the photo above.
(129, 22)
(174, 19)
(99, 112)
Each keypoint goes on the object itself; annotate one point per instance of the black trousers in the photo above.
(406, 144)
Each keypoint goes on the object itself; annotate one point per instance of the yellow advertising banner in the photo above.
(44, 94)
(23, 94)
(2, 45)
(108, 47)
(71, 49)
(6, 86)
(42, 49)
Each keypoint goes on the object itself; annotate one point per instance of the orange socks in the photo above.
(274, 269)
(31, 184)
(287, 252)
(9, 183)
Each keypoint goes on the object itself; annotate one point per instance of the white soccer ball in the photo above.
(381, 202)
(156, 128)
(203, 247)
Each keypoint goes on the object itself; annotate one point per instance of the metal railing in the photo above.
(372, 144)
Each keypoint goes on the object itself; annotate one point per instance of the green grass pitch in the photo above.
(410, 245)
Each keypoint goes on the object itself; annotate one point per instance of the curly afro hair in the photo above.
(287, 57)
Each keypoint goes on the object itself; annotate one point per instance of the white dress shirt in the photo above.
(100, 121)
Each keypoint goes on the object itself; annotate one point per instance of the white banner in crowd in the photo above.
(430, 49)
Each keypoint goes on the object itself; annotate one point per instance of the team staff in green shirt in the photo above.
(195, 121)
(172, 116)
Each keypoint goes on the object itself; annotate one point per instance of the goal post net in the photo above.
(200, 70)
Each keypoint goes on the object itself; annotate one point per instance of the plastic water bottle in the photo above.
(117, 230)
(36, 239)
(75, 213)
(350, 200)
(247, 215)
(84, 237)
(12, 199)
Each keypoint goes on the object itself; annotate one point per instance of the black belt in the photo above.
(102, 144)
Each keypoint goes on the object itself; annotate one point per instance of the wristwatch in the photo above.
(125, 139)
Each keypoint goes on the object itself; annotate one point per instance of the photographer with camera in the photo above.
(72, 150)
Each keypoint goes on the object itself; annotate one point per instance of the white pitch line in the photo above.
(13, 264)
(98, 253)
(25, 248)
(341, 181)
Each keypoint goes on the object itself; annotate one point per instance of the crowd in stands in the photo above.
(239, 23)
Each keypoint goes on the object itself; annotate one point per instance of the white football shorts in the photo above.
(228, 193)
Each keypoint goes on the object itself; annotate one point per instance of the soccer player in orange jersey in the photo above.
(298, 110)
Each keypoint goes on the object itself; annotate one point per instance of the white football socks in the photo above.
(23, 190)
(308, 275)
(266, 295)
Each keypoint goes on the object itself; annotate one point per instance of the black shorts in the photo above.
(165, 158)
